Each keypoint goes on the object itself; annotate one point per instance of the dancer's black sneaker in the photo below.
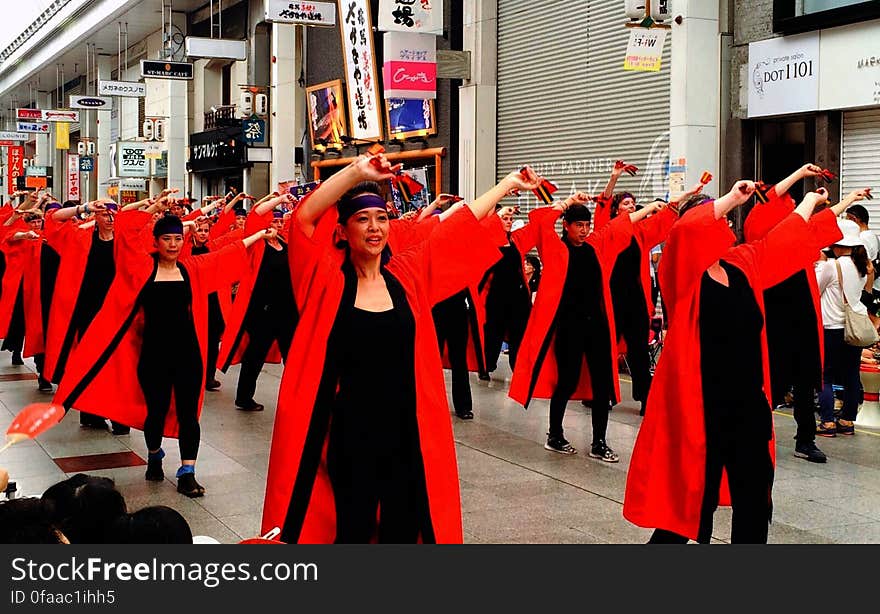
(601, 451)
(44, 385)
(154, 473)
(559, 444)
(248, 406)
(809, 451)
(16, 359)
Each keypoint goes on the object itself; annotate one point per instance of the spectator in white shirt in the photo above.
(859, 215)
(851, 264)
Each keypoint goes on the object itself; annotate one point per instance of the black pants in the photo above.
(842, 366)
(744, 453)
(793, 367)
(453, 327)
(370, 479)
(574, 341)
(633, 326)
(14, 341)
(160, 377)
(263, 327)
(504, 321)
(216, 326)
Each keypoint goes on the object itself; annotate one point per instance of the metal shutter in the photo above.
(567, 107)
(858, 165)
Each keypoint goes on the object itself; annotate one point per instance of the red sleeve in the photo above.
(457, 254)
(526, 238)
(255, 222)
(824, 231)
(59, 234)
(192, 216)
(132, 234)
(307, 252)
(612, 238)
(655, 229)
(215, 268)
(763, 217)
(227, 239)
(408, 233)
(223, 224)
(602, 214)
(695, 242)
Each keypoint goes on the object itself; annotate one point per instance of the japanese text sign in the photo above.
(645, 50)
(73, 191)
(356, 28)
(425, 16)
(128, 89)
(305, 13)
(15, 165)
(410, 68)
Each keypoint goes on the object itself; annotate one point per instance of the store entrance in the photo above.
(783, 146)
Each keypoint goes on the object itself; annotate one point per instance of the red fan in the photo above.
(33, 420)
(374, 150)
(630, 169)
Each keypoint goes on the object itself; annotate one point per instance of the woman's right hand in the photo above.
(742, 191)
(525, 179)
(375, 168)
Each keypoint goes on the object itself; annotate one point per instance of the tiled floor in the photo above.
(513, 491)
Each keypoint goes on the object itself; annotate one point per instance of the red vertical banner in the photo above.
(73, 191)
(15, 164)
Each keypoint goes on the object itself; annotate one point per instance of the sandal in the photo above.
(827, 431)
(187, 485)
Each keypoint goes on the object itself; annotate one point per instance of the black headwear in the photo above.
(168, 225)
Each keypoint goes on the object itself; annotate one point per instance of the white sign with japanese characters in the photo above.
(305, 13)
(364, 104)
(129, 89)
(423, 16)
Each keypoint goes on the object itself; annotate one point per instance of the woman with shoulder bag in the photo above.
(841, 281)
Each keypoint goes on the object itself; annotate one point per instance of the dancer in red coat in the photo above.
(357, 456)
(710, 412)
(795, 336)
(148, 343)
(572, 319)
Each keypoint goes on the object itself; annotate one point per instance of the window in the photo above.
(793, 16)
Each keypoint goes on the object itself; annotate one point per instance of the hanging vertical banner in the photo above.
(73, 190)
(15, 166)
(410, 67)
(425, 16)
(356, 29)
(62, 135)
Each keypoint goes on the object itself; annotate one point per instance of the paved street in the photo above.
(513, 491)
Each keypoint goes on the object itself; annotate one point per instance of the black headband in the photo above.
(350, 206)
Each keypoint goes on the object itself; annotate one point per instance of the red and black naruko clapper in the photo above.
(407, 186)
(826, 176)
(762, 192)
(630, 169)
(543, 192)
(868, 194)
(374, 150)
(706, 178)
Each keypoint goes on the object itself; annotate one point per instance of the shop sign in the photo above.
(784, 75)
(33, 127)
(644, 53)
(304, 13)
(850, 67)
(98, 103)
(423, 16)
(86, 164)
(215, 150)
(160, 69)
(410, 68)
(131, 159)
(73, 187)
(14, 166)
(12, 136)
(253, 130)
(364, 107)
(33, 170)
(32, 114)
(128, 89)
(54, 115)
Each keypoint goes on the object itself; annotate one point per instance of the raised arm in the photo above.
(330, 191)
(807, 170)
(740, 194)
(850, 199)
(270, 205)
(654, 207)
(517, 180)
(616, 172)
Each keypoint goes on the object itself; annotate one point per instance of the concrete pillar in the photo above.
(286, 101)
(177, 135)
(104, 169)
(477, 101)
(695, 103)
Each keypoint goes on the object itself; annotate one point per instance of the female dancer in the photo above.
(157, 304)
(709, 402)
(348, 441)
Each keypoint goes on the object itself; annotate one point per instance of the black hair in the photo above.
(577, 213)
(365, 187)
(536, 276)
(692, 202)
(84, 506)
(859, 212)
(27, 521)
(859, 257)
(157, 524)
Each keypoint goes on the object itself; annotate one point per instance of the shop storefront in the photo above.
(567, 106)
(217, 160)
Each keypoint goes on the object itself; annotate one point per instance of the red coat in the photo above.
(235, 338)
(763, 218)
(428, 272)
(22, 270)
(648, 233)
(101, 374)
(232, 275)
(666, 479)
(72, 244)
(535, 373)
